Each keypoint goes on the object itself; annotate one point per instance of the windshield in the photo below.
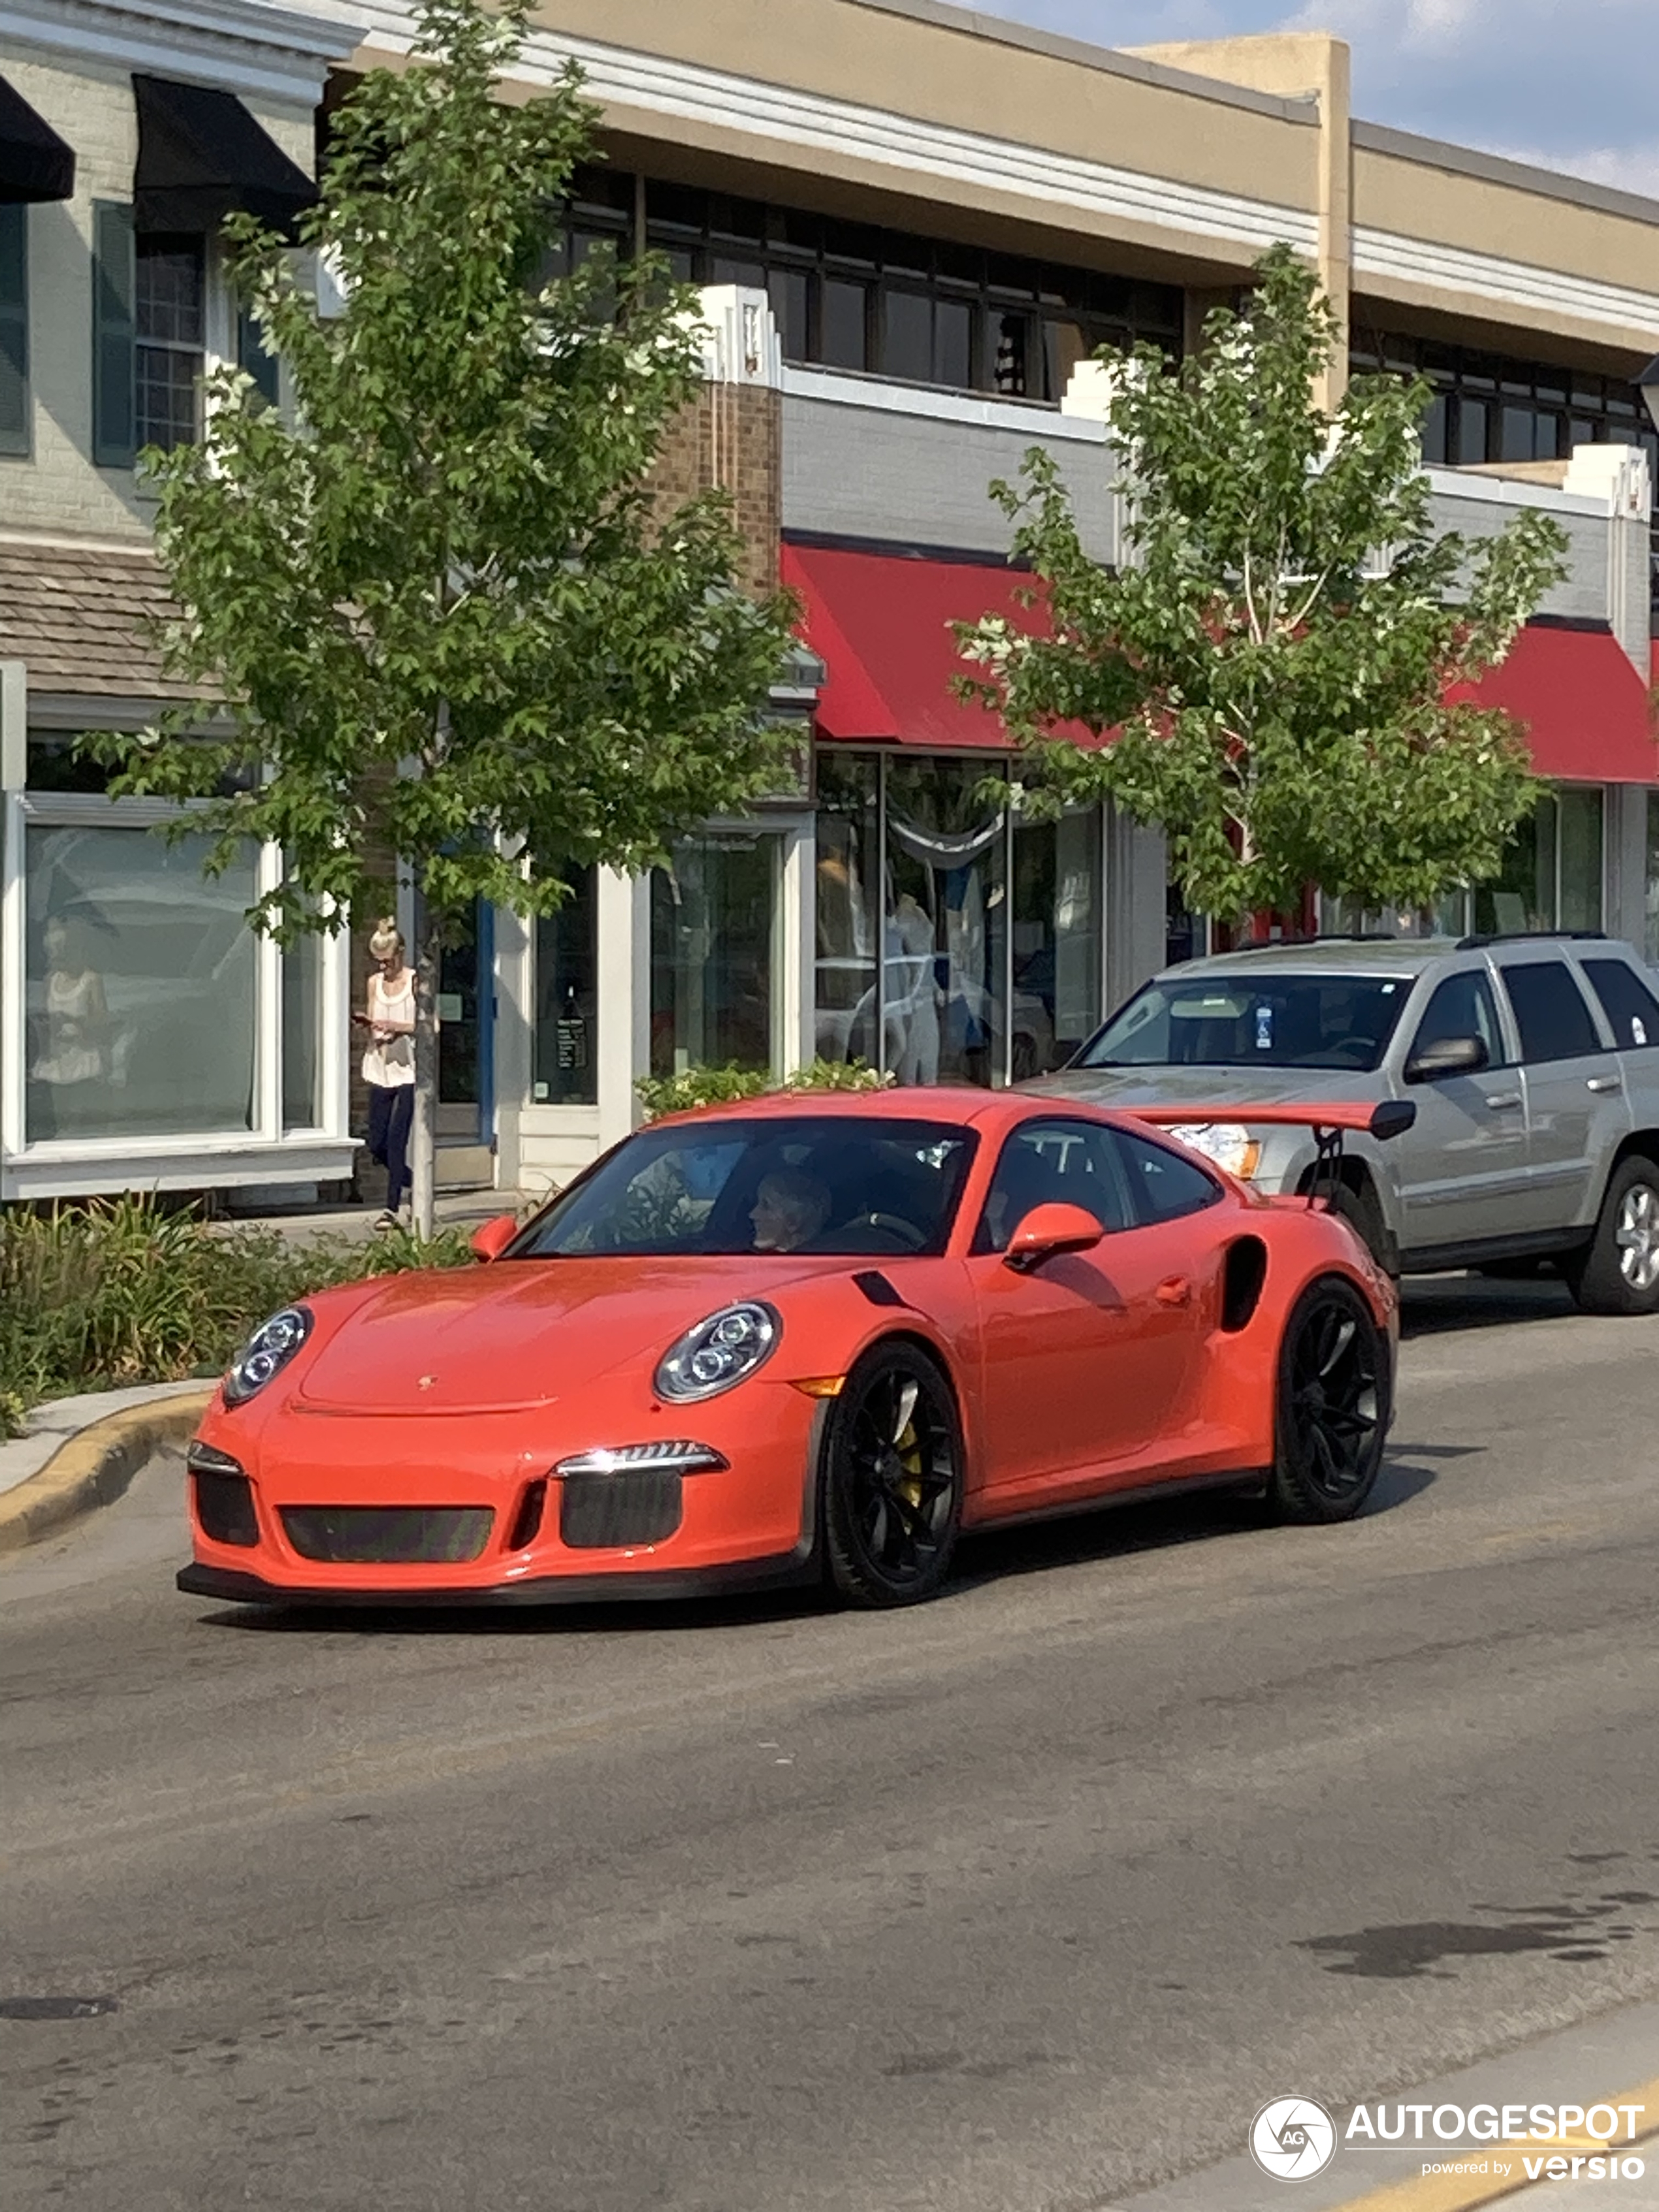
(827, 1184)
(1253, 1021)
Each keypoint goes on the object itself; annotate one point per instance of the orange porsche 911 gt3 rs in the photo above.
(803, 1336)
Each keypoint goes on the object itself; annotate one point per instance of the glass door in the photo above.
(466, 1006)
(714, 962)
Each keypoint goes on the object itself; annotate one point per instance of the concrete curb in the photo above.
(94, 1466)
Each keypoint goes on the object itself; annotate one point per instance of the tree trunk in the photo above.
(422, 1136)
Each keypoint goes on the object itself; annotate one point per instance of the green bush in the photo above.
(119, 1292)
(719, 1086)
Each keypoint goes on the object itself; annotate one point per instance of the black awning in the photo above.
(34, 163)
(201, 155)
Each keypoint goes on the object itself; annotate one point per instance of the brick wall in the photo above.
(731, 436)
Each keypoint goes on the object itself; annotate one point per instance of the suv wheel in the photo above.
(1363, 1213)
(1618, 1271)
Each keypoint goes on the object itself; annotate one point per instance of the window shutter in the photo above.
(14, 424)
(114, 400)
(251, 355)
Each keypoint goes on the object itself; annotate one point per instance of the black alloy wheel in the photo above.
(893, 1476)
(1332, 1416)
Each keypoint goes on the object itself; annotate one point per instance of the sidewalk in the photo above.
(458, 1209)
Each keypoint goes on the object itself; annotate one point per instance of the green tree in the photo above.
(440, 605)
(1277, 650)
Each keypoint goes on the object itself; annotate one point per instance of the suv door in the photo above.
(1575, 1110)
(1463, 1165)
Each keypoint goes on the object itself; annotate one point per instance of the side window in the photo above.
(1163, 1184)
(1550, 1011)
(1631, 1010)
(1049, 1162)
(1463, 1007)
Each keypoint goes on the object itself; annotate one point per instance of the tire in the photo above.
(1362, 1211)
(1333, 1406)
(892, 1479)
(1618, 1271)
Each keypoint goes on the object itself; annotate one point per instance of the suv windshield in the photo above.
(1252, 1021)
(809, 1183)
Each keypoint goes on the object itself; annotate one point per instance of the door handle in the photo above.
(1502, 1098)
(1605, 1082)
(1173, 1290)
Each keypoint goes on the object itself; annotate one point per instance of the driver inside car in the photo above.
(790, 1208)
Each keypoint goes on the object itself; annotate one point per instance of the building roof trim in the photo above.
(752, 108)
(882, 395)
(970, 22)
(1524, 286)
(1498, 170)
(238, 46)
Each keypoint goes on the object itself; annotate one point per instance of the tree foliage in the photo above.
(1278, 652)
(443, 609)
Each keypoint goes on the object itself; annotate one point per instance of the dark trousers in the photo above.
(391, 1111)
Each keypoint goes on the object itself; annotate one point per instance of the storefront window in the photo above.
(1056, 942)
(567, 1001)
(1552, 873)
(849, 875)
(141, 985)
(944, 1012)
(712, 923)
(990, 931)
(303, 1033)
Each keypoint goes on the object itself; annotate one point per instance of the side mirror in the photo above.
(491, 1239)
(1464, 1055)
(1049, 1228)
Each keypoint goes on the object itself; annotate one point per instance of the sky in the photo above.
(1573, 84)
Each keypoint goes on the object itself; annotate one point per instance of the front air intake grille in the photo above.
(224, 1507)
(637, 1506)
(388, 1536)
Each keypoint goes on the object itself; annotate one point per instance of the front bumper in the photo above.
(752, 1522)
(237, 1587)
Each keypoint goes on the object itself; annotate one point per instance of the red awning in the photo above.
(1585, 706)
(881, 623)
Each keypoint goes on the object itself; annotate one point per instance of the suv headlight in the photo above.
(266, 1352)
(718, 1352)
(1228, 1144)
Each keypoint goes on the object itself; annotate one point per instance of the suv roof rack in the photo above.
(1526, 936)
(1321, 936)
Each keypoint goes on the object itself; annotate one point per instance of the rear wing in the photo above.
(1387, 1118)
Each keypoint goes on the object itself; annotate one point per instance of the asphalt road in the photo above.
(1021, 1901)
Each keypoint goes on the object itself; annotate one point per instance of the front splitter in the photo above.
(784, 1571)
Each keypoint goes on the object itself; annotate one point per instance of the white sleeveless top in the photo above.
(389, 1064)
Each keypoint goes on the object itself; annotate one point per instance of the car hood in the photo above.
(1213, 1086)
(519, 1333)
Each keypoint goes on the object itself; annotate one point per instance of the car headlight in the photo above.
(720, 1353)
(266, 1352)
(1228, 1144)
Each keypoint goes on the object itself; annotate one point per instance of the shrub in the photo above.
(119, 1292)
(719, 1086)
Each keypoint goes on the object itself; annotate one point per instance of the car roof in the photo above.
(1394, 956)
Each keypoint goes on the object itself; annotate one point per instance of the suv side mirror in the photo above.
(491, 1239)
(1463, 1055)
(1048, 1229)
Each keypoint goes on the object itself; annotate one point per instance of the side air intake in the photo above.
(1240, 1284)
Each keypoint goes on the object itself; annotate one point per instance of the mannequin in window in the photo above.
(73, 1062)
(913, 996)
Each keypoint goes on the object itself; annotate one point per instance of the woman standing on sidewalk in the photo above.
(389, 1063)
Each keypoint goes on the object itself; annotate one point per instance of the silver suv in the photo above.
(1533, 1062)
